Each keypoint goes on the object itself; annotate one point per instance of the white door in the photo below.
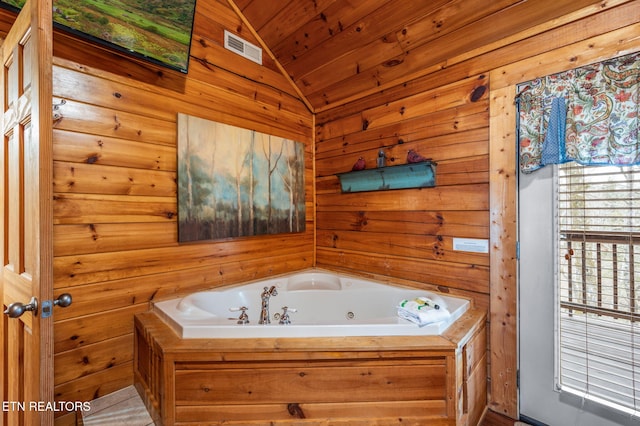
(539, 399)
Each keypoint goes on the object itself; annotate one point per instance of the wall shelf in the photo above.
(403, 176)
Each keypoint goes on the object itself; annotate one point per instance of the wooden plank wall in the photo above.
(115, 170)
(115, 205)
(407, 234)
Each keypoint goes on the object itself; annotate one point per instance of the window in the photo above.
(598, 277)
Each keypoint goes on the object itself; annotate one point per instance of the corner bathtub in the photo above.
(346, 359)
(326, 304)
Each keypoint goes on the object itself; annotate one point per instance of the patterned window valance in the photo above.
(588, 115)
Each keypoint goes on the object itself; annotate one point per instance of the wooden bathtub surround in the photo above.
(434, 380)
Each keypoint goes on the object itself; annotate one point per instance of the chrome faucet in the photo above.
(266, 294)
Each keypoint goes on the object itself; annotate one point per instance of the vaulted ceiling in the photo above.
(338, 50)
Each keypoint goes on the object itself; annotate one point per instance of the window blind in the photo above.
(598, 273)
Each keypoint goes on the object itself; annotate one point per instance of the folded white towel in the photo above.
(422, 311)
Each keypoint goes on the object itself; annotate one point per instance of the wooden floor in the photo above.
(494, 419)
(123, 407)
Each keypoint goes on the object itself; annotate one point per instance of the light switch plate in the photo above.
(471, 244)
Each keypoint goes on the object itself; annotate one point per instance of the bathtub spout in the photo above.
(265, 296)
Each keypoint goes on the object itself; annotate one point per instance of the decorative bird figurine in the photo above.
(414, 157)
(359, 165)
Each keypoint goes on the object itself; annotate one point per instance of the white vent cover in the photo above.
(242, 47)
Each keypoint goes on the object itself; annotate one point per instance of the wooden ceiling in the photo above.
(335, 51)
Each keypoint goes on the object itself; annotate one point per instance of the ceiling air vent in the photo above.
(242, 47)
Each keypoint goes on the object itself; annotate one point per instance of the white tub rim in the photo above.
(194, 329)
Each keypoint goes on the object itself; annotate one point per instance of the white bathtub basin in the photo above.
(327, 304)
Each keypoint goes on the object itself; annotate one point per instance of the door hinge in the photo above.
(518, 379)
(517, 250)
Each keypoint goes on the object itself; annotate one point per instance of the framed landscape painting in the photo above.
(235, 182)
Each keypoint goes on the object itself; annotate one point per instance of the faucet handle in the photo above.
(284, 317)
(243, 318)
(273, 291)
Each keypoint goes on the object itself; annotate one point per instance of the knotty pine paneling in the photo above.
(72, 146)
(409, 233)
(333, 20)
(379, 25)
(95, 385)
(473, 224)
(401, 244)
(503, 228)
(74, 270)
(91, 359)
(444, 114)
(118, 120)
(448, 34)
(115, 192)
(345, 136)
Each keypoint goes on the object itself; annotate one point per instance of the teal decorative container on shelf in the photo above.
(403, 176)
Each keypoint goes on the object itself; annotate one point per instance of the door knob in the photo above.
(63, 300)
(16, 309)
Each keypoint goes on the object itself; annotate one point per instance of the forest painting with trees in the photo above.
(235, 182)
